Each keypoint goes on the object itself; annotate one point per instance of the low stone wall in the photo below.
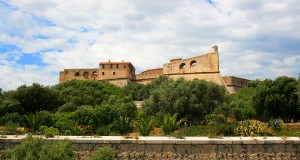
(185, 148)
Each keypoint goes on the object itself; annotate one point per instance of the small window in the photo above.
(182, 66)
(111, 66)
(124, 66)
(193, 64)
(117, 66)
(102, 73)
(114, 73)
(77, 74)
(103, 66)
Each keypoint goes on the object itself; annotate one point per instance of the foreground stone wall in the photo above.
(185, 148)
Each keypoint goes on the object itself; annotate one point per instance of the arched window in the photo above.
(182, 66)
(114, 73)
(86, 75)
(193, 63)
(76, 73)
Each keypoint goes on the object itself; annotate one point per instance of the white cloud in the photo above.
(257, 39)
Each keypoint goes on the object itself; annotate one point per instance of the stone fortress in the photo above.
(204, 67)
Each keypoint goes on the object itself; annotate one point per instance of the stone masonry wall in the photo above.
(184, 148)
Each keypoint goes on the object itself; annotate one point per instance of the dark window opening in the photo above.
(124, 66)
(193, 64)
(117, 66)
(102, 73)
(103, 66)
(111, 66)
(182, 66)
(77, 74)
(86, 75)
(114, 73)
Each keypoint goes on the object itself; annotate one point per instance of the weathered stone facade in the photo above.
(187, 148)
(204, 67)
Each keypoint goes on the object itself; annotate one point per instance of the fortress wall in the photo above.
(236, 81)
(211, 77)
(204, 63)
(150, 74)
(78, 74)
(182, 148)
(144, 81)
(120, 82)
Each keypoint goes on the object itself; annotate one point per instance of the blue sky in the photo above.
(256, 39)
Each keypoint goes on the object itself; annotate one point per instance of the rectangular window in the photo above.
(117, 66)
(103, 66)
(111, 66)
(102, 73)
(114, 73)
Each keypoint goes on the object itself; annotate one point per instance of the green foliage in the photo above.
(123, 125)
(277, 99)
(39, 149)
(200, 98)
(253, 128)
(103, 153)
(67, 107)
(49, 132)
(213, 118)
(35, 121)
(104, 130)
(210, 130)
(169, 124)
(64, 123)
(144, 126)
(86, 92)
(241, 104)
(12, 129)
(12, 117)
(36, 98)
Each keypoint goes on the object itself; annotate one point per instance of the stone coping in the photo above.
(161, 140)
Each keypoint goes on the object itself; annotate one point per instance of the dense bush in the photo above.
(277, 99)
(40, 149)
(200, 98)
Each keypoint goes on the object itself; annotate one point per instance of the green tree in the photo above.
(36, 98)
(192, 100)
(241, 104)
(277, 99)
